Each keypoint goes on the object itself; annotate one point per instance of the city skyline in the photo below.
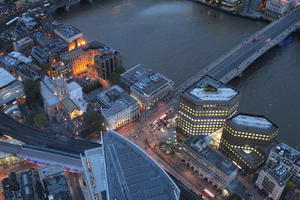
(72, 92)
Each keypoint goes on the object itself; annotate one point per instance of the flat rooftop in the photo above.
(209, 155)
(280, 173)
(132, 174)
(68, 32)
(253, 122)
(115, 100)
(5, 78)
(11, 92)
(287, 153)
(145, 81)
(210, 89)
(93, 162)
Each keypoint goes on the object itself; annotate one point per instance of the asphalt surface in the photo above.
(252, 47)
(245, 50)
(34, 137)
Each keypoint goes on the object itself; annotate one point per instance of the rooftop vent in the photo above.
(210, 88)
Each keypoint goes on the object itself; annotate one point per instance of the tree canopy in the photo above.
(115, 76)
(32, 92)
(94, 122)
(40, 120)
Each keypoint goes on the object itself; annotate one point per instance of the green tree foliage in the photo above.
(94, 122)
(115, 77)
(46, 68)
(32, 92)
(92, 86)
(40, 120)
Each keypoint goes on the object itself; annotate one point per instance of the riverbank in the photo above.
(253, 16)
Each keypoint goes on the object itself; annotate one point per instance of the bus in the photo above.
(207, 194)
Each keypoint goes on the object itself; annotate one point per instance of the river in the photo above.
(178, 38)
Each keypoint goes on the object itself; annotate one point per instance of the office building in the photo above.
(205, 106)
(40, 55)
(20, 57)
(71, 35)
(10, 88)
(281, 167)
(230, 3)
(129, 173)
(251, 6)
(23, 44)
(60, 70)
(50, 53)
(54, 182)
(146, 86)
(247, 140)
(277, 8)
(27, 22)
(117, 107)
(107, 62)
(207, 162)
(96, 58)
(273, 180)
(21, 66)
(20, 186)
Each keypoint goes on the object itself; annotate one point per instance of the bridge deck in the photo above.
(234, 62)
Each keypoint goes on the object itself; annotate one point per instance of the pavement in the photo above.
(148, 140)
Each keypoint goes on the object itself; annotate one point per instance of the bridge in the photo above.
(42, 155)
(42, 139)
(234, 62)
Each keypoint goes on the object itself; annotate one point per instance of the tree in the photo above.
(94, 122)
(32, 92)
(115, 76)
(46, 68)
(40, 120)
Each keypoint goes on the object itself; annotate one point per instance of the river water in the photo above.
(179, 38)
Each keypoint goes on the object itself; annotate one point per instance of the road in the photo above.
(233, 59)
(140, 135)
(51, 140)
(250, 47)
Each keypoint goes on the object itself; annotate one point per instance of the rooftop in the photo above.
(68, 32)
(209, 89)
(199, 146)
(254, 123)
(5, 78)
(50, 170)
(96, 45)
(93, 162)
(115, 100)
(286, 151)
(132, 174)
(20, 57)
(47, 92)
(280, 173)
(145, 81)
(69, 105)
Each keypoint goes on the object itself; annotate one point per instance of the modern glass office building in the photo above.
(205, 106)
(247, 139)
